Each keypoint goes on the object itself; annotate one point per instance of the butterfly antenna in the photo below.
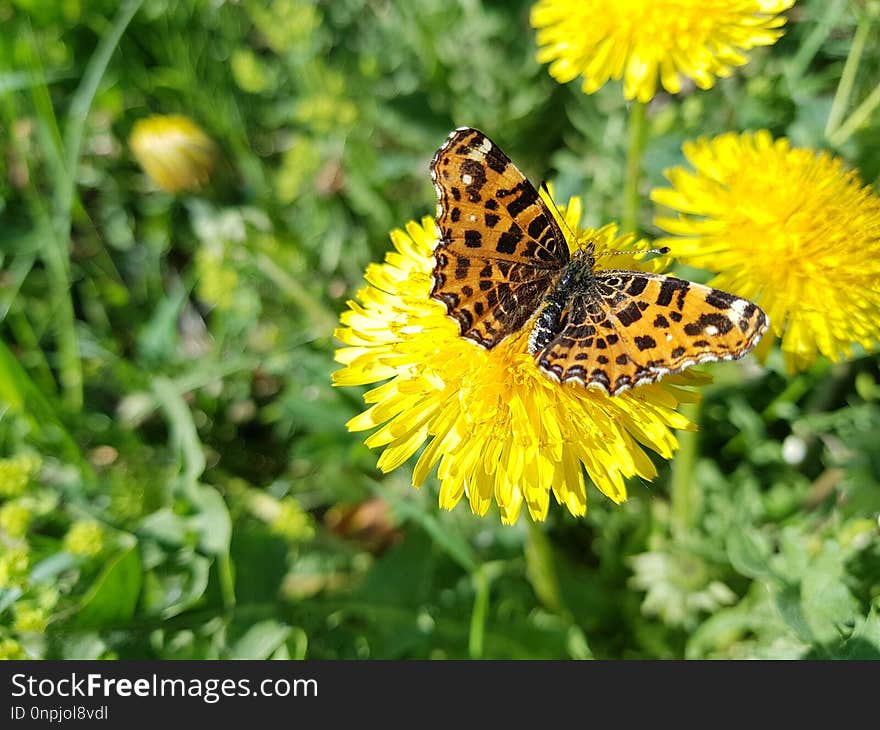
(560, 215)
(662, 250)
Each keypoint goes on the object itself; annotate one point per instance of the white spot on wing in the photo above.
(549, 373)
(711, 330)
(466, 179)
(739, 306)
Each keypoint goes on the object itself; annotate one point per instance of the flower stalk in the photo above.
(847, 78)
(476, 637)
(638, 133)
(684, 494)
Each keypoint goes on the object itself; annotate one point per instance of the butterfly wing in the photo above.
(500, 247)
(634, 328)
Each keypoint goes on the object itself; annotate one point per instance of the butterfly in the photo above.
(502, 263)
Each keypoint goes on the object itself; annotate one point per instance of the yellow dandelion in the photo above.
(174, 151)
(791, 229)
(642, 41)
(493, 424)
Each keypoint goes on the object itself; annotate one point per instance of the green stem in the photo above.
(636, 146)
(227, 581)
(684, 494)
(69, 366)
(22, 396)
(479, 614)
(183, 437)
(793, 392)
(54, 246)
(847, 78)
(541, 569)
(859, 117)
(813, 42)
(323, 320)
(40, 372)
(56, 253)
(82, 103)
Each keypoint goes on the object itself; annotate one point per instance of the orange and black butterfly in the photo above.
(503, 263)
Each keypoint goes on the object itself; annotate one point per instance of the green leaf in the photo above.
(158, 339)
(52, 567)
(19, 80)
(718, 632)
(749, 553)
(176, 585)
(412, 558)
(260, 560)
(828, 605)
(184, 436)
(261, 640)
(449, 540)
(113, 596)
(864, 643)
(788, 602)
(165, 526)
(212, 522)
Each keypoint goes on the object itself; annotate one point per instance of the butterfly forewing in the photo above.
(500, 247)
(637, 327)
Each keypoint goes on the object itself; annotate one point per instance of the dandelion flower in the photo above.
(791, 229)
(174, 152)
(643, 40)
(496, 428)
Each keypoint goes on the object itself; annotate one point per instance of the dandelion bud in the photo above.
(174, 151)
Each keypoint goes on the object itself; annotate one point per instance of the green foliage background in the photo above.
(178, 480)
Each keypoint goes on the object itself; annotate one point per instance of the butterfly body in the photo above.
(502, 262)
(576, 279)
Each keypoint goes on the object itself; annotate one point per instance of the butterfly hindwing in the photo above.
(489, 298)
(638, 327)
(499, 246)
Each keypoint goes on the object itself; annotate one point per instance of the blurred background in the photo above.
(177, 480)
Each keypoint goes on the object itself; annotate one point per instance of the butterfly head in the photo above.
(586, 253)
